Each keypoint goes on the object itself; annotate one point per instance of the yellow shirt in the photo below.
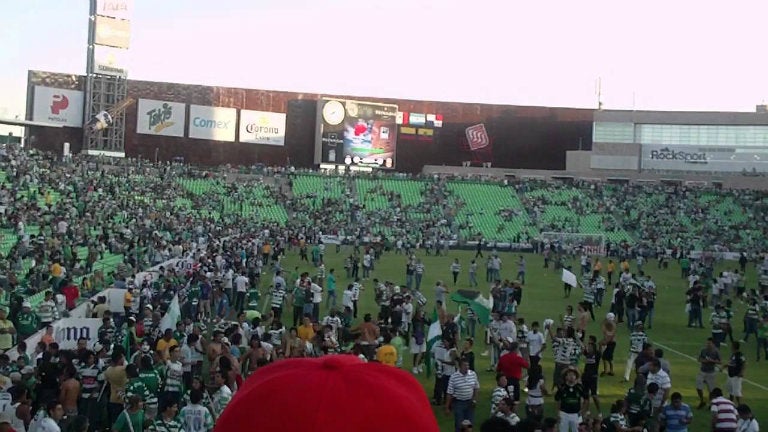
(611, 267)
(127, 300)
(6, 339)
(387, 354)
(305, 333)
(56, 270)
(163, 346)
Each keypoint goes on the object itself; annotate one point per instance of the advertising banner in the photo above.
(120, 9)
(704, 158)
(110, 61)
(357, 133)
(58, 106)
(261, 127)
(67, 331)
(213, 123)
(164, 118)
(113, 32)
(477, 137)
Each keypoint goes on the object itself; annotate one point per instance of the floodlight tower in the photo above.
(106, 84)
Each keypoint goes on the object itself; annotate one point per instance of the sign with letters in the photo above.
(212, 123)
(261, 127)
(165, 118)
(58, 106)
(120, 9)
(67, 331)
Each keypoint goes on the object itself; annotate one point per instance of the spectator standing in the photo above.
(725, 417)
(676, 416)
(463, 387)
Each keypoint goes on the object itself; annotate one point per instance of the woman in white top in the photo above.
(747, 421)
(534, 405)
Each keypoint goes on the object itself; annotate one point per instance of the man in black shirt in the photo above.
(571, 399)
(590, 376)
(736, 365)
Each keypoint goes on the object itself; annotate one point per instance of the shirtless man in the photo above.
(252, 356)
(583, 321)
(70, 391)
(608, 343)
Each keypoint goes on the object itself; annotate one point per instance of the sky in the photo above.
(654, 54)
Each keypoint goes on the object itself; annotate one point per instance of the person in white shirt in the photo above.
(54, 412)
(536, 343)
(317, 299)
(657, 375)
(241, 284)
(747, 421)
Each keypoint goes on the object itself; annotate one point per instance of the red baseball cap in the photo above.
(333, 393)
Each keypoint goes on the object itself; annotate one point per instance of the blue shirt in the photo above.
(674, 417)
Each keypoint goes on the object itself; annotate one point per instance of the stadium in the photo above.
(168, 251)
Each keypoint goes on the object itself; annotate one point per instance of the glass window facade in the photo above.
(701, 135)
(613, 132)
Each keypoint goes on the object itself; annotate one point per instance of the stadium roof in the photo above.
(24, 123)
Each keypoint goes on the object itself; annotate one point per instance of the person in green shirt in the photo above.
(151, 379)
(167, 422)
(762, 338)
(331, 288)
(399, 343)
(135, 385)
(298, 304)
(27, 322)
(132, 419)
(685, 267)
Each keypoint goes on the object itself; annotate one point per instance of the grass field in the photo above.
(543, 298)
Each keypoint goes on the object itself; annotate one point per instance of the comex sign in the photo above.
(214, 123)
(210, 124)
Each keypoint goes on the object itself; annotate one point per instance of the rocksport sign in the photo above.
(704, 158)
(260, 127)
(213, 123)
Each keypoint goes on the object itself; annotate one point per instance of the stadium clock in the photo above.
(333, 112)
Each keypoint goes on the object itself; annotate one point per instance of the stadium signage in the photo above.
(164, 118)
(113, 32)
(120, 9)
(261, 127)
(58, 106)
(213, 123)
(689, 157)
(110, 61)
(720, 158)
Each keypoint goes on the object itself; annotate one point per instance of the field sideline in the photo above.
(543, 298)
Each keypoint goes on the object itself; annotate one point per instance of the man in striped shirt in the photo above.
(195, 417)
(637, 339)
(222, 396)
(278, 296)
(463, 386)
(724, 415)
(47, 311)
(676, 416)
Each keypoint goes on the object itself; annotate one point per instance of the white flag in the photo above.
(569, 278)
(172, 315)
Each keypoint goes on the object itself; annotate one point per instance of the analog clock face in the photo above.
(333, 112)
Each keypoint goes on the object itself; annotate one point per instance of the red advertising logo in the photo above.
(59, 104)
(477, 137)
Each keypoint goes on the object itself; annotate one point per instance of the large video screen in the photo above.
(356, 133)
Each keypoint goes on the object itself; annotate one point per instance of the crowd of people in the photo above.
(239, 310)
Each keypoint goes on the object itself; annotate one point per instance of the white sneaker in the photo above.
(484, 353)
(421, 368)
(415, 370)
